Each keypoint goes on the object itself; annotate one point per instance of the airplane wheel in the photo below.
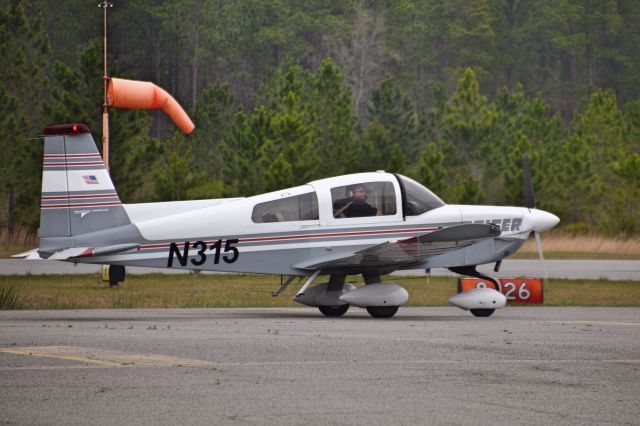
(334, 311)
(116, 275)
(482, 312)
(382, 311)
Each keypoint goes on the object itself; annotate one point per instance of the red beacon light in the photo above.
(66, 130)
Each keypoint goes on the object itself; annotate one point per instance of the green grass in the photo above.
(198, 291)
(575, 255)
(9, 298)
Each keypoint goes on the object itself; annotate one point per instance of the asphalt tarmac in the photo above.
(524, 365)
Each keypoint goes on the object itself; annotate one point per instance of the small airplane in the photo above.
(367, 223)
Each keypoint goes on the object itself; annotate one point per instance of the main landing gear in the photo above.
(334, 311)
(113, 274)
(334, 298)
(336, 284)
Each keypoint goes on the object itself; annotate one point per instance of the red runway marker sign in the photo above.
(516, 290)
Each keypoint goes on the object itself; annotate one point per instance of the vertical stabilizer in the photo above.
(78, 195)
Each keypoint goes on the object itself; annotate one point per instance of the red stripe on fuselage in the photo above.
(305, 236)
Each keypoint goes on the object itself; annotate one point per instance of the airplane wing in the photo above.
(411, 250)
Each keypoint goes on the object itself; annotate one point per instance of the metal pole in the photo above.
(105, 111)
(306, 285)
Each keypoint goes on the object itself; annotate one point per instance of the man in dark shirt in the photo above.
(358, 206)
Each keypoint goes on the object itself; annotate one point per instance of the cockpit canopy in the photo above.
(363, 196)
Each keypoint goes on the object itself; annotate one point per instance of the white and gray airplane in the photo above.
(367, 223)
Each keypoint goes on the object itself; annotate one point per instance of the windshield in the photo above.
(417, 198)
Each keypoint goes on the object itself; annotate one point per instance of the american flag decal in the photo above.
(90, 179)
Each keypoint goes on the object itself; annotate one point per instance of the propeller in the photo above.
(531, 204)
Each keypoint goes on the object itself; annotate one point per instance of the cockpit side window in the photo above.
(364, 199)
(297, 208)
(418, 199)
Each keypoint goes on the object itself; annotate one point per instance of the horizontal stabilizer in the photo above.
(92, 251)
(28, 255)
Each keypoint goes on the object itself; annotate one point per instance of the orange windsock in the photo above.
(131, 94)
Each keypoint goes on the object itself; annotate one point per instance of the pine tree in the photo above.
(624, 216)
(293, 138)
(174, 174)
(602, 126)
(24, 46)
(328, 103)
(397, 160)
(214, 117)
(521, 126)
(466, 189)
(392, 109)
(376, 142)
(582, 186)
(278, 172)
(243, 164)
(465, 118)
(432, 171)
(472, 36)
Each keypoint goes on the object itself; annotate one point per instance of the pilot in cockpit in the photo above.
(357, 205)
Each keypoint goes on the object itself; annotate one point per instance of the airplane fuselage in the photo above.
(223, 235)
(366, 223)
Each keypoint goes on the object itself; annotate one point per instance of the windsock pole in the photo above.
(105, 111)
(106, 269)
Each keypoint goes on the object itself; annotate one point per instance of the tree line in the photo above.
(452, 94)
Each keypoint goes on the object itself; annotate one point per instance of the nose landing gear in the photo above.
(471, 271)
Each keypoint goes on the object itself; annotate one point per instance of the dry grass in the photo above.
(21, 240)
(22, 236)
(562, 246)
(190, 291)
(591, 293)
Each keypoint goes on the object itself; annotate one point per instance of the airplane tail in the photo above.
(78, 195)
